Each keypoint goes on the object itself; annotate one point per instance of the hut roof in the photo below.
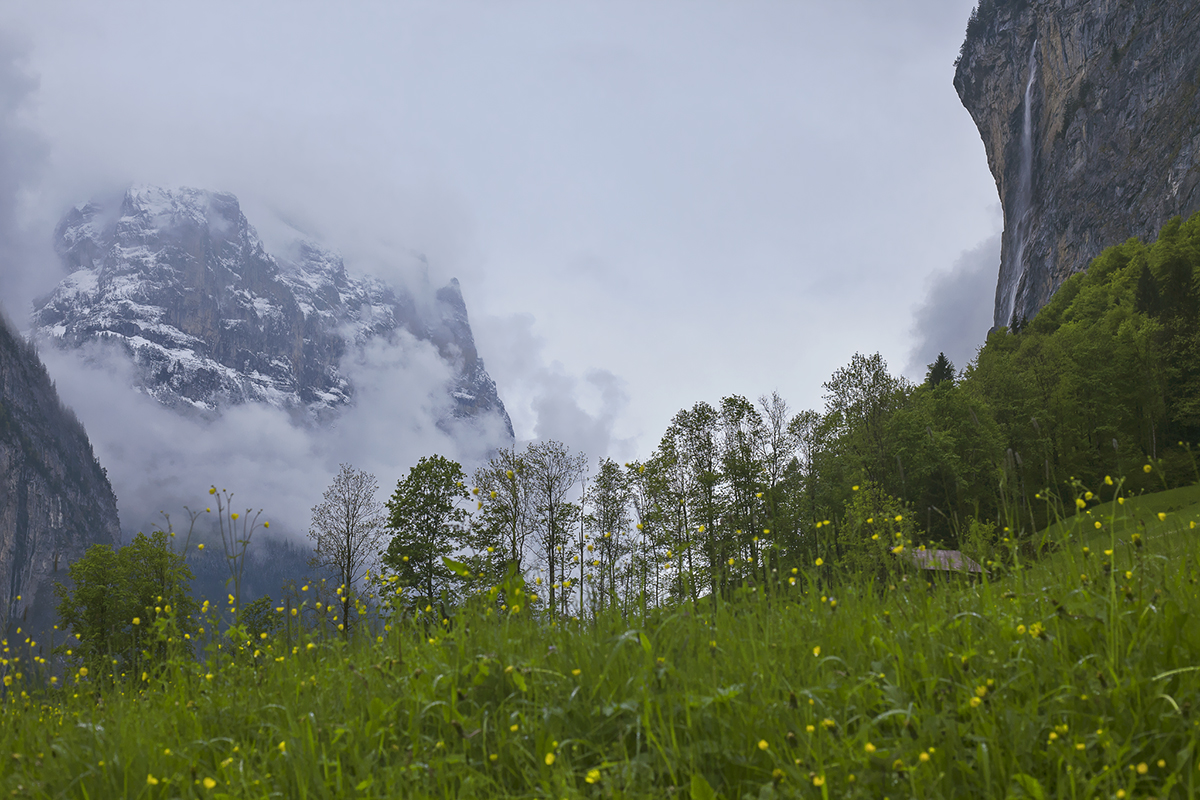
(949, 560)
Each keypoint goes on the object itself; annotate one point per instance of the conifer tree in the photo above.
(940, 370)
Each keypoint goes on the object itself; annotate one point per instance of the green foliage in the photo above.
(551, 472)
(426, 520)
(501, 531)
(119, 603)
(939, 371)
(260, 617)
(1073, 676)
(872, 535)
(609, 526)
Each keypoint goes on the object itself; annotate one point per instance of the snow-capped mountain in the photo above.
(181, 280)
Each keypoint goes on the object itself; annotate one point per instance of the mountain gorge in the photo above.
(180, 280)
(55, 498)
(1090, 116)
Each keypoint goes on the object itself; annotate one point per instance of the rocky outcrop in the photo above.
(180, 280)
(55, 499)
(1089, 112)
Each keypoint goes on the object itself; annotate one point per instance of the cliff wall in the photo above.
(55, 499)
(1090, 116)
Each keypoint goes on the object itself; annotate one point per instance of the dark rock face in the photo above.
(1089, 112)
(181, 280)
(55, 499)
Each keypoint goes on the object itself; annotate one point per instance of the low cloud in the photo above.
(158, 460)
(23, 157)
(546, 400)
(957, 312)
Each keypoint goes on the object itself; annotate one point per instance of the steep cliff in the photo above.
(1090, 116)
(180, 279)
(55, 500)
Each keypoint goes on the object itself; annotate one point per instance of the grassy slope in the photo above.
(1041, 681)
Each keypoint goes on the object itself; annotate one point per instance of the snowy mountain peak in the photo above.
(180, 279)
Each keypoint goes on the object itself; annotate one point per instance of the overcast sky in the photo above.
(647, 203)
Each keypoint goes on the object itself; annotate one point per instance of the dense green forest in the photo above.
(1104, 381)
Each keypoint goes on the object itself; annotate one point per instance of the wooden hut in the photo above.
(944, 561)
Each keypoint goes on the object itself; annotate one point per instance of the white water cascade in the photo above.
(1013, 271)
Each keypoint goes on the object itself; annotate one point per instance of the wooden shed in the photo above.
(944, 560)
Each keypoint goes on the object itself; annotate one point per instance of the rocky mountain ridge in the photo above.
(180, 280)
(1090, 116)
(55, 498)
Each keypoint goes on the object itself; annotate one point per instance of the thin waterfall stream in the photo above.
(1014, 271)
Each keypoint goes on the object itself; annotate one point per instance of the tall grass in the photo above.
(1074, 676)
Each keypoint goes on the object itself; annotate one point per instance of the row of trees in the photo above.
(1104, 381)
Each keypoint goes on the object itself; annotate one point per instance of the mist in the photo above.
(23, 159)
(158, 460)
(957, 312)
(646, 205)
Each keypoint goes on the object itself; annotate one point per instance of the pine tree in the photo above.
(940, 370)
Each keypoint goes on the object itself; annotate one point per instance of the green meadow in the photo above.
(1073, 675)
(754, 622)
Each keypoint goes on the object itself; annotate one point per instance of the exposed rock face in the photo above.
(1090, 116)
(55, 500)
(181, 280)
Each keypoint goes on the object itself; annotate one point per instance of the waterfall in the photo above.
(1014, 271)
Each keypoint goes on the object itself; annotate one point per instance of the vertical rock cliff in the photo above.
(1090, 116)
(55, 500)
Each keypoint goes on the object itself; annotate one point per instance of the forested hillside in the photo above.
(1103, 382)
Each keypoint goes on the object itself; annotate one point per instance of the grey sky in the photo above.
(960, 301)
(647, 203)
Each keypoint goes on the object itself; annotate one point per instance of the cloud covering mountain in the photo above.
(194, 356)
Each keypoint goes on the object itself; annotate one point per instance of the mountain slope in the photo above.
(180, 279)
(55, 499)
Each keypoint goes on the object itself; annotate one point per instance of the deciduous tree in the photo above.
(347, 527)
(427, 520)
(552, 470)
(114, 600)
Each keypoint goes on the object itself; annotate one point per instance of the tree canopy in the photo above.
(117, 601)
(426, 520)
